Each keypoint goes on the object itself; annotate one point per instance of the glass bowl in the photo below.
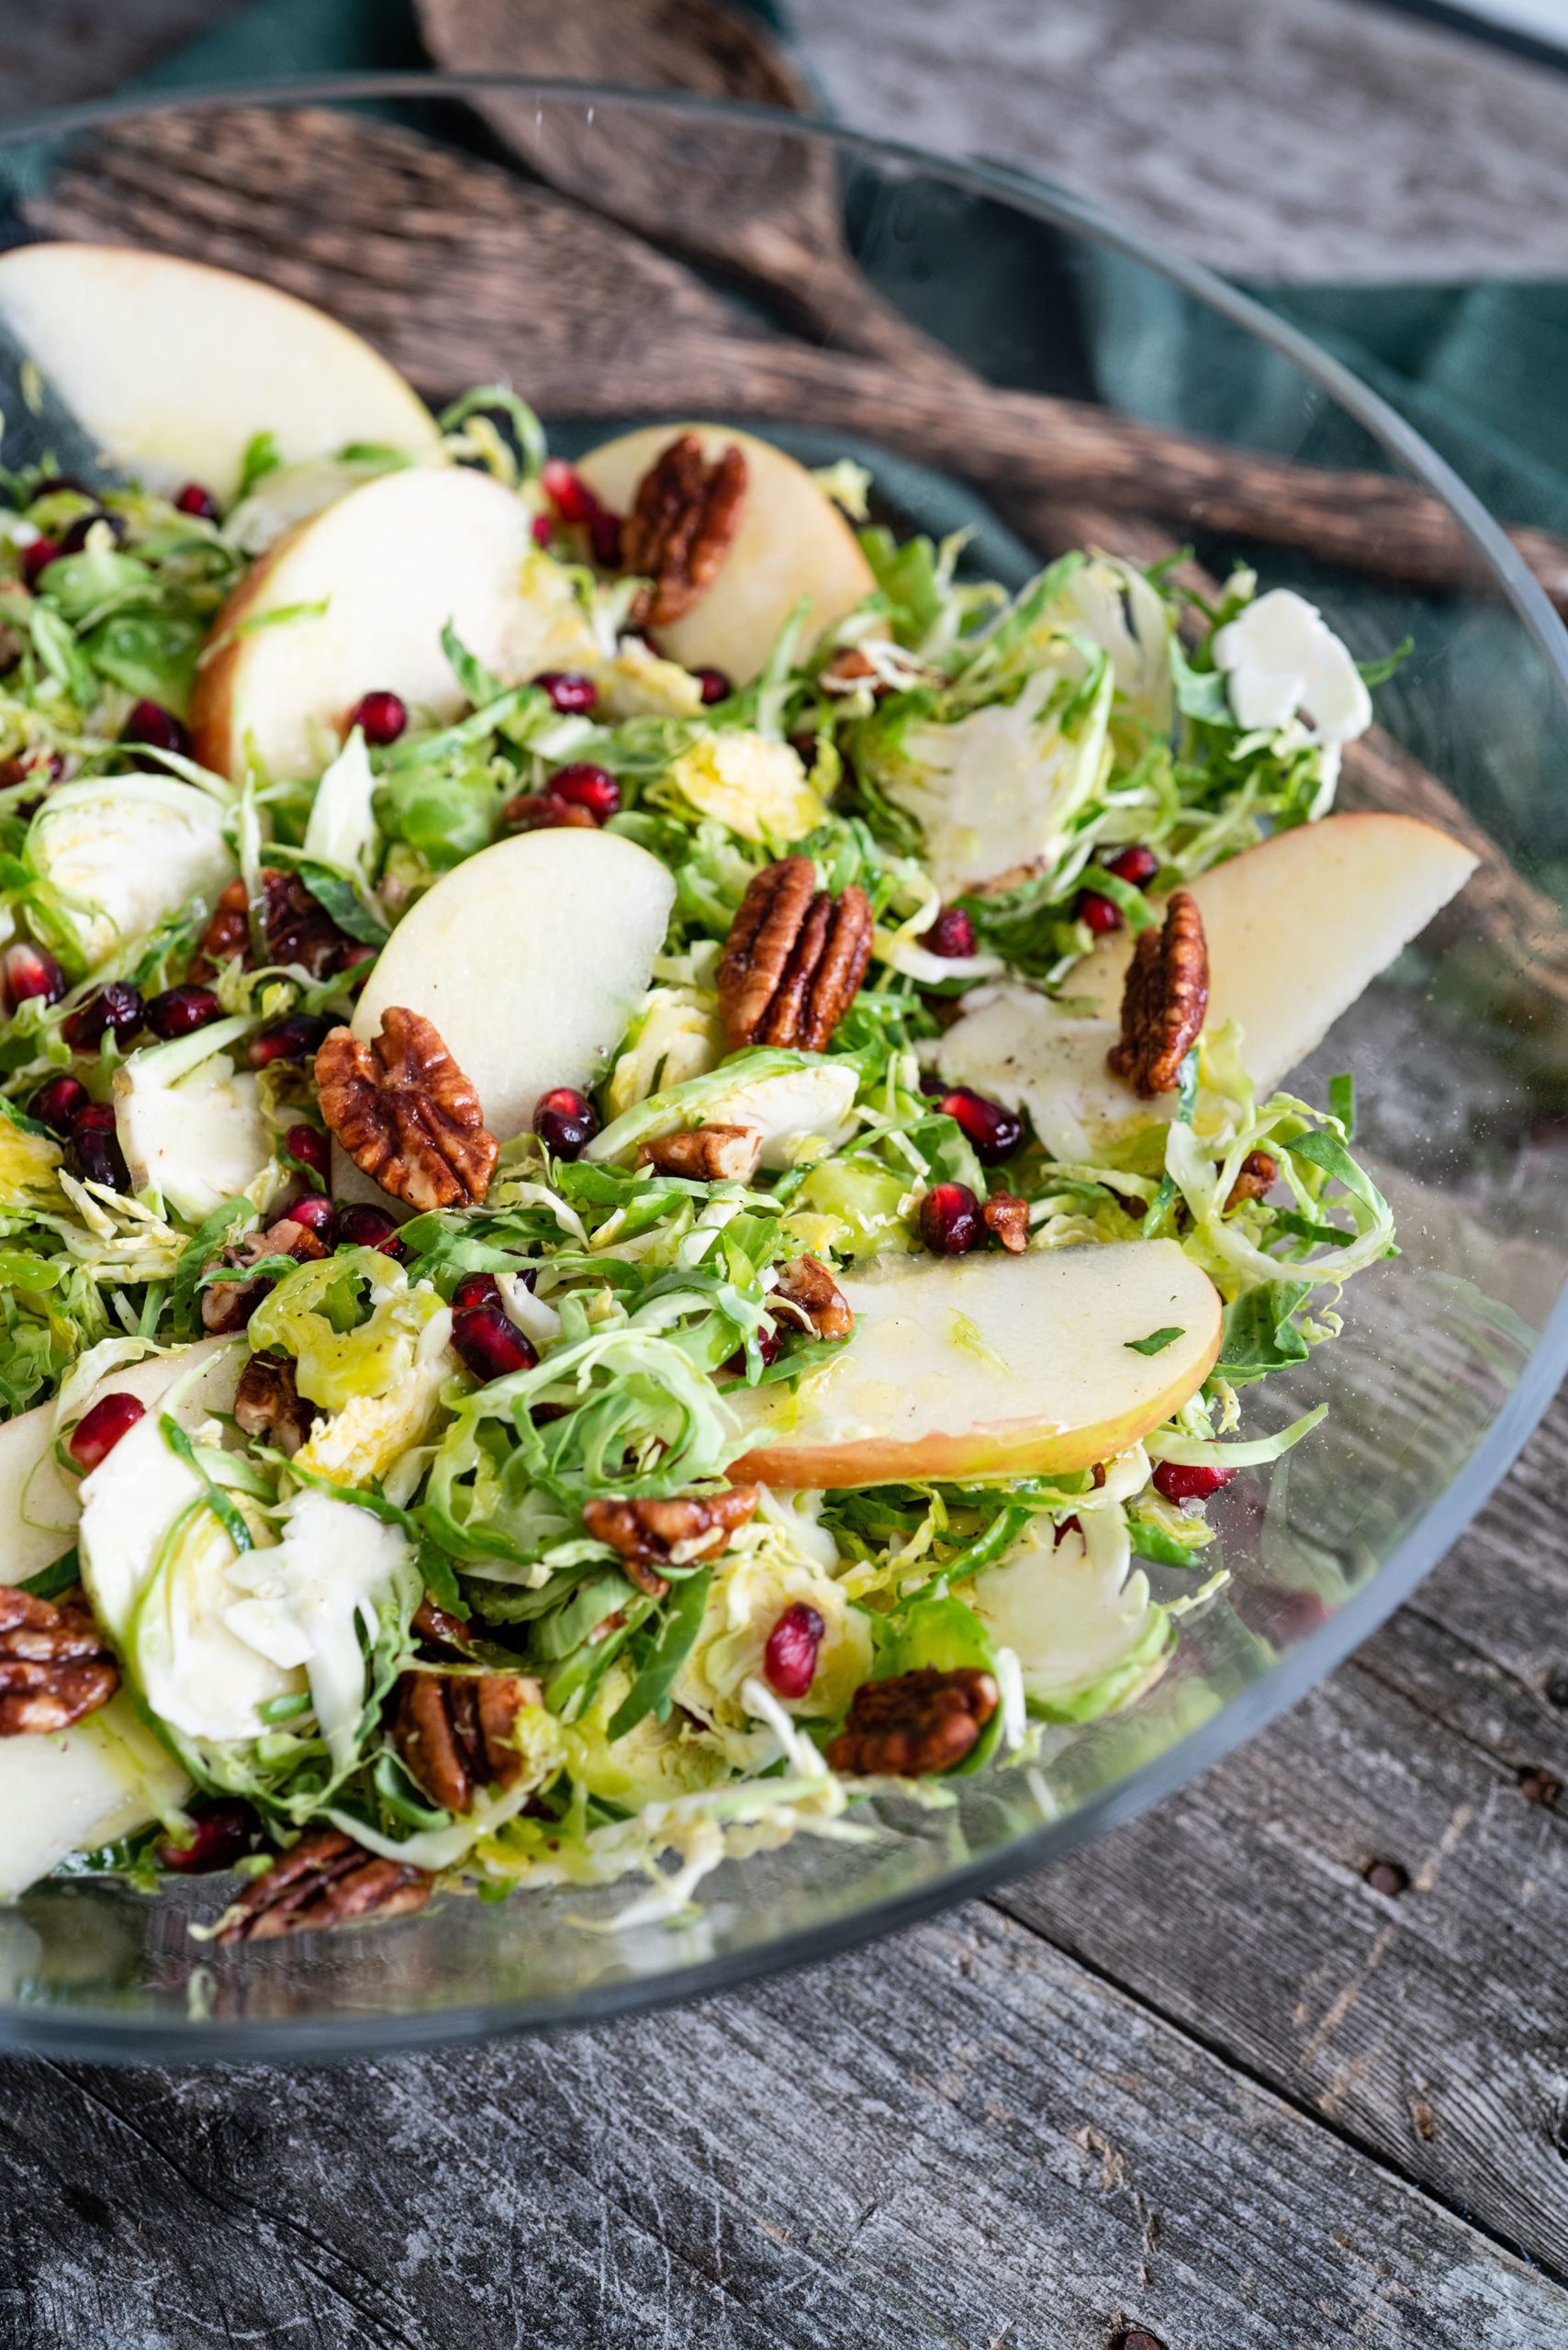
(856, 299)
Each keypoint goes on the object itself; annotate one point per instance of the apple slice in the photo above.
(77, 1788)
(991, 1366)
(391, 564)
(531, 959)
(792, 544)
(1297, 928)
(172, 367)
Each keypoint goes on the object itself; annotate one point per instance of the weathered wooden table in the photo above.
(1282, 2063)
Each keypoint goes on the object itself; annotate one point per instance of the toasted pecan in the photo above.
(268, 1405)
(454, 1731)
(794, 958)
(296, 928)
(404, 1113)
(653, 1534)
(684, 517)
(808, 1292)
(1164, 1000)
(705, 1154)
(1255, 1178)
(1006, 1216)
(914, 1724)
(54, 1666)
(324, 1880)
(229, 1306)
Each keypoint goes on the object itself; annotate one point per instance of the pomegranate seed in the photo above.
(179, 1012)
(951, 935)
(475, 1289)
(583, 784)
(195, 500)
(570, 692)
(96, 1146)
(37, 557)
(533, 812)
(57, 1101)
(97, 1432)
(1137, 865)
(770, 1346)
(790, 1659)
(714, 685)
(116, 1008)
(1178, 1483)
(949, 1219)
(993, 1133)
(315, 1211)
(310, 1146)
(31, 972)
(362, 1226)
(150, 723)
(604, 538)
(565, 1123)
(568, 493)
(490, 1343)
(224, 1831)
(381, 717)
(295, 1038)
(1101, 915)
(543, 530)
(75, 538)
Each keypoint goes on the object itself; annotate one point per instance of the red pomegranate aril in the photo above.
(570, 692)
(604, 538)
(584, 785)
(58, 1102)
(714, 685)
(30, 972)
(490, 1343)
(316, 1212)
(37, 557)
(1100, 916)
(951, 935)
(223, 1831)
(543, 530)
(116, 1007)
(381, 718)
(949, 1219)
(475, 1289)
(179, 1012)
(97, 1432)
(310, 1147)
(568, 493)
(1136, 864)
(769, 1347)
(150, 723)
(565, 1123)
(74, 538)
(294, 1038)
(790, 1659)
(993, 1133)
(1179, 1481)
(360, 1225)
(195, 500)
(96, 1146)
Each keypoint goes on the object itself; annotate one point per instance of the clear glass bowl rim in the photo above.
(110, 2036)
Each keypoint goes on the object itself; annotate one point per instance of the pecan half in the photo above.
(404, 1113)
(544, 812)
(649, 1535)
(683, 518)
(705, 1154)
(54, 1666)
(912, 1726)
(455, 1731)
(1007, 1216)
(324, 1880)
(268, 1405)
(1255, 1177)
(812, 1297)
(1164, 1000)
(297, 927)
(794, 958)
(433, 1625)
(229, 1306)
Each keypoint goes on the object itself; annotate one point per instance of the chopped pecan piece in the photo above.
(649, 1535)
(1254, 1178)
(847, 671)
(794, 958)
(267, 1404)
(912, 1726)
(1164, 1001)
(455, 1731)
(812, 1297)
(54, 1666)
(1007, 1216)
(433, 1624)
(324, 1880)
(229, 1306)
(705, 1154)
(683, 517)
(297, 927)
(535, 811)
(404, 1113)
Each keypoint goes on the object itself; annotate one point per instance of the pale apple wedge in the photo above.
(529, 958)
(792, 544)
(78, 1788)
(388, 565)
(991, 1366)
(1297, 928)
(172, 367)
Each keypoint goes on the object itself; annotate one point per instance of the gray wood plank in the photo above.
(960, 2138)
